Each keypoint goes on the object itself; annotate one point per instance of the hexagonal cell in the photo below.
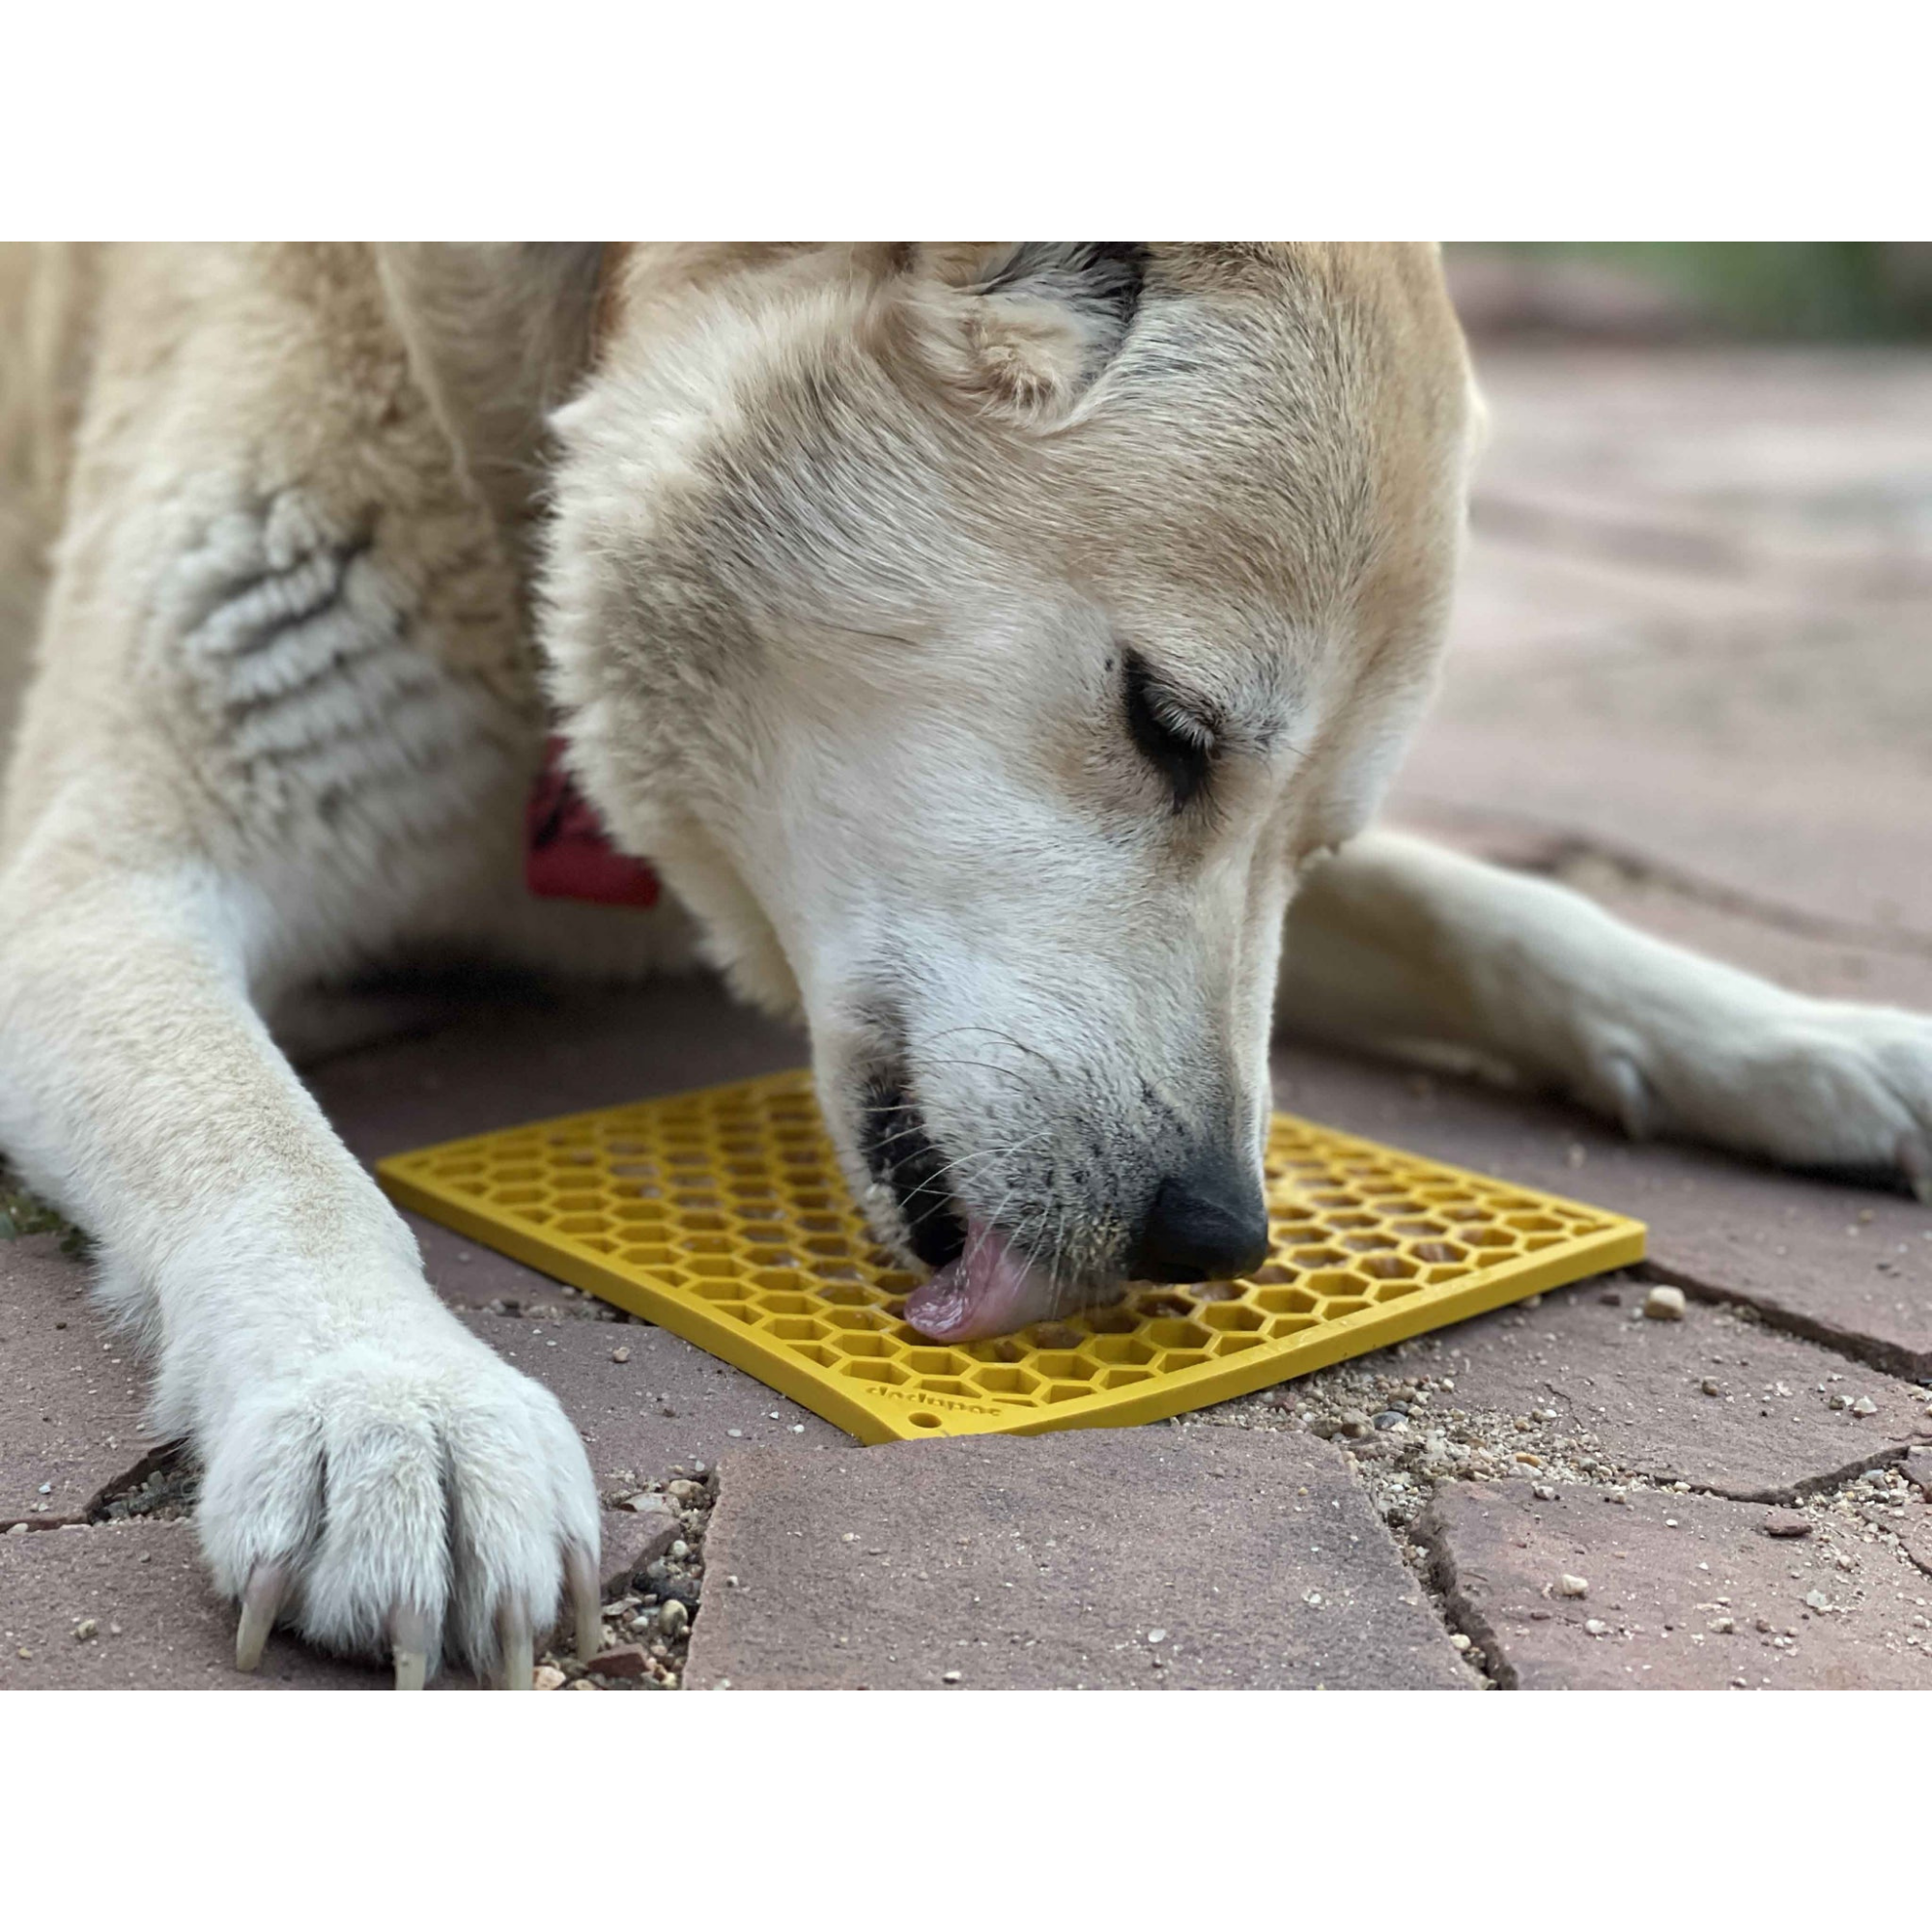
(1000, 1379)
(1231, 1318)
(1317, 1257)
(517, 1197)
(852, 1321)
(1056, 1364)
(1164, 1303)
(705, 1244)
(794, 1328)
(1488, 1238)
(1439, 1251)
(936, 1362)
(1233, 1344)
(1177, 1334)
(866, 1346)
(844, 1295)
(1183, 1358)
(782, 1301)
(1218, 1291)
(581, 1224)
(889, 1372)
(1113, 1378)
(651, 1257)
(1347, 1304)
(1331, 1282)
(1286, 1300)
(1117, 1319)
(1127, 1350)
(1386, 1267)
(639, 1214)
(715, 1267)
(1395, 1290)
(1291, 1324)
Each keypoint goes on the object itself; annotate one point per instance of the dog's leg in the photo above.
(1396, 941)
(372, 1470)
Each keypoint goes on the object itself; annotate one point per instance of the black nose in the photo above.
(1206, 1225)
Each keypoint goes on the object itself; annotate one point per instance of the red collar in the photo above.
(568, 853)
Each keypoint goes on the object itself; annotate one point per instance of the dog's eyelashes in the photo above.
(1179, 745)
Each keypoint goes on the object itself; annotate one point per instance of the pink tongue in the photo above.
(990, 1290)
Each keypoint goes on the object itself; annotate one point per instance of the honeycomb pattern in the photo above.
(721, 1215)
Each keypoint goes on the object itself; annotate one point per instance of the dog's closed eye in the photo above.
(1174, 739)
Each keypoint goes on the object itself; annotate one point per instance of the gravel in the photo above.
(1664, 1304)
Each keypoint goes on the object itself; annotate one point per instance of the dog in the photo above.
(983, 642)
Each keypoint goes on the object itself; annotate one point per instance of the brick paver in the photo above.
(72, 1395)
(1130, 1558)
(1685, 1592)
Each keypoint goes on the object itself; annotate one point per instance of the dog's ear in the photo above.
(496, 332)
(1024, 327)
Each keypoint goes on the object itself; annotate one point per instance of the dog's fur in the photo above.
(983, 640)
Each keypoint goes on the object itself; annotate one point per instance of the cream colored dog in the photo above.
(984, 642)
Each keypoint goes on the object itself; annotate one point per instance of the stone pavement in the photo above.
(1690, 678)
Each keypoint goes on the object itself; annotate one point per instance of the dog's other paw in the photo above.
(1809, 1083)
(411, 1495)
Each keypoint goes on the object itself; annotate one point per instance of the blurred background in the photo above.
(1692, 654)
(1691, 291)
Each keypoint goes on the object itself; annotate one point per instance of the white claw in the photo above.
(268, 1584)
(579, 1569)
(409, 1640)
(517, 1649)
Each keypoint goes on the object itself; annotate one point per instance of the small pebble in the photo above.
(547, 1677)
(1156, 1636)
(1390, 1418)
(621, 1355)
(1865, 1406)
(1723, 1626)
(86, 1628)
(1596, 1627)
(1544, 1493)
(1572, 1586)
(1710, 1385)
(950, 1677)
(1664, 1304)
(1787, 1523)
(673, 1619)
(1460, 1640)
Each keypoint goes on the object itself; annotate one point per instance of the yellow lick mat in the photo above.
(721, 1215)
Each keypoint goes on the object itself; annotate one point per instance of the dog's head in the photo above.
(980, 640)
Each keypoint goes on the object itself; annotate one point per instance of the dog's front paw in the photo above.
(409, 1494)
(1810, 1082)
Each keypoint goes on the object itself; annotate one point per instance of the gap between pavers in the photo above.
(1634, 1392)
(1138, 1558)
(1666, 1575)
